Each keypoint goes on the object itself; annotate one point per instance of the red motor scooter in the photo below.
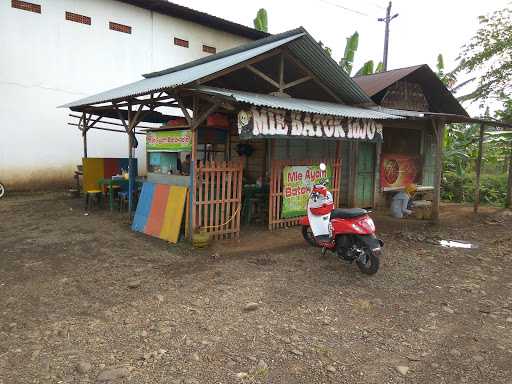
(348, 232)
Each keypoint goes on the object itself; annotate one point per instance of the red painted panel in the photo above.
(157, 211)
(111, 168)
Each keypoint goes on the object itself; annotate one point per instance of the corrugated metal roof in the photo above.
(313, 56)
(300, 105)
(228, 52)
(300, 43)
(182, 77)
(376, 82)
(446, 117)
(172, 9)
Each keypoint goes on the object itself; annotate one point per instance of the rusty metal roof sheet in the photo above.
(439, 98)
(373, 84)
(293, 104)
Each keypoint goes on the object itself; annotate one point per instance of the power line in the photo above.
(337, 5)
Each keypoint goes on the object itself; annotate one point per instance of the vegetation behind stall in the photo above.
(461, 151)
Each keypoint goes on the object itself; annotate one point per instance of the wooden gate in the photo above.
(276, 189)
(218, 198)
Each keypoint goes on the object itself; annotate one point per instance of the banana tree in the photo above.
(347, 61)
(368, 68)
(261, 20)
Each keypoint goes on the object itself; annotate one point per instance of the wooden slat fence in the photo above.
(219, 198)
(276, 189)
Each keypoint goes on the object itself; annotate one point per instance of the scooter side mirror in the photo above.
(323, 167)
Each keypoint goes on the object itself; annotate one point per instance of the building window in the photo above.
(25, 6)
(78, 18)
(208, 49)
(181, 42)
(120, 27)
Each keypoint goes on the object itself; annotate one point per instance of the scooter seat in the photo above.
(349, 213)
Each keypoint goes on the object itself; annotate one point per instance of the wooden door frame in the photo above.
(354, 157)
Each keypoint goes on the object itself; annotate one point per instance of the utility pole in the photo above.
(387, 20)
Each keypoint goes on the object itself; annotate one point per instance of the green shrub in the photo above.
(461, 189)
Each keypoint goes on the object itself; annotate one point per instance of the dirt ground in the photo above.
(85, 300)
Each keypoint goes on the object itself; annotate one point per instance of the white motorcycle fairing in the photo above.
(320, 224)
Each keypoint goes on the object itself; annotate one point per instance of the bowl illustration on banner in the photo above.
(391, 171)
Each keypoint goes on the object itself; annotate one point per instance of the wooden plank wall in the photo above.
(219, 198)
(254, 165)
(276, 189)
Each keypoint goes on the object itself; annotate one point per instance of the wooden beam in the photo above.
(204, 115)
(313, 76)
(236, 67)
(297, 82)
(438, 170)
(189, 119)
(106, 122)
(94, 122)
(268, 79)
(107, 129)
(281, 73)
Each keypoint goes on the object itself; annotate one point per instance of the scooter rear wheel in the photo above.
(2, 190)
(307, 234)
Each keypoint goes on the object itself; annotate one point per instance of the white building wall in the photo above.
(46, 61)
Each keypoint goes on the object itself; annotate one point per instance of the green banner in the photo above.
(297, 183)
(169, 141)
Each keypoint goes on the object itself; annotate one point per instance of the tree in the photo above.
(347, 61)
(450, 79)
(261, 21)
(369, 68)
(490, 50)
(327, 49)
(351, 45)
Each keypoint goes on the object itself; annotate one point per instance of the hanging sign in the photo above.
(272, 123)
(169, 141)
(397, 171)
(297, 183)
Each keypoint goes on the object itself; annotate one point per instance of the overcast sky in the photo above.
(423, 29)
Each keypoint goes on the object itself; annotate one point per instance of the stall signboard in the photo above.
(169, 141)
(273, 123)
(298, 181)
(397, 171)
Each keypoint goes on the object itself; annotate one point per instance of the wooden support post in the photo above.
(508, 203)
(84, 133)
(130, 162)
(439, 132)
(193, 160)
(281, 73)
(479, 168)
(376, 177)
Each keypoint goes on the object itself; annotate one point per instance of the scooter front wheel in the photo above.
(368, 262)
(307, 234)
(2, 190)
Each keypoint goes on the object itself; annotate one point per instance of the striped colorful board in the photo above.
(97, 168)
(160, 209)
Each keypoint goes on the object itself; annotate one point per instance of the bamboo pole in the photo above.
(479, 168)
(439, 132)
